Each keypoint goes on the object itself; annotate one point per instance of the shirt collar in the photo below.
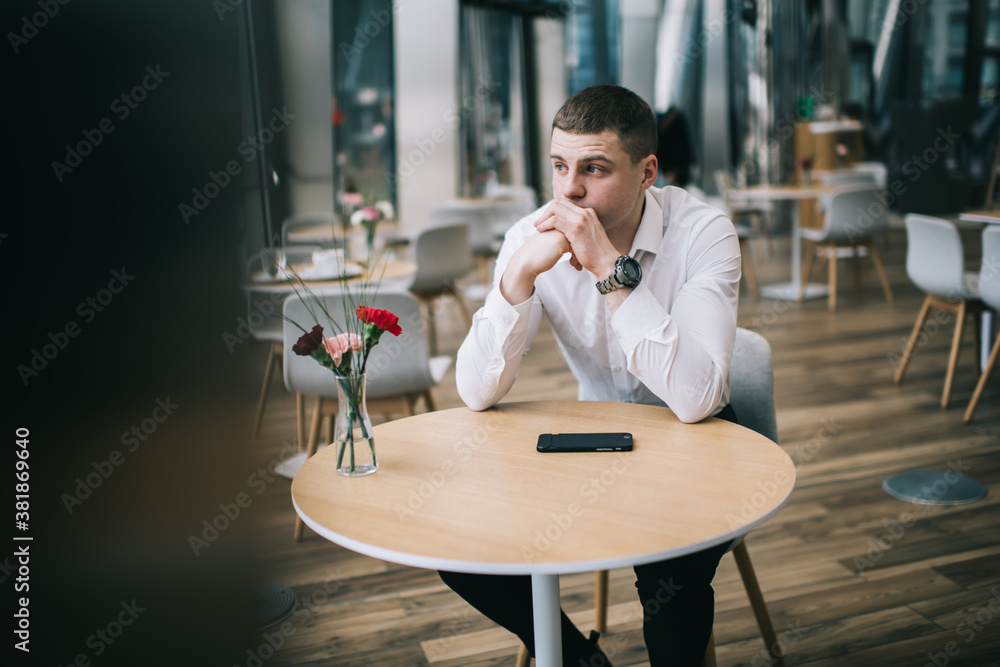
(650, 232)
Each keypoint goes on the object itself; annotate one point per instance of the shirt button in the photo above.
(617, 369)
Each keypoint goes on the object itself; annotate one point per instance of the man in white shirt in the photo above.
(640, 286)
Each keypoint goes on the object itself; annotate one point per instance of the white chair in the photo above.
(751, 379)
(739, 209)
(443, 256)
(935, 264)
(744, 232)
(853, 215)
(399, 371)
(480, 216)
(989, 292)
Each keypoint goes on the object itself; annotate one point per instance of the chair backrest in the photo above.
(478, 215)
(296, 222)
(989, 271)
(443, 255)
(751, 382)
(934, 259)
(855, 213)
(397, 365)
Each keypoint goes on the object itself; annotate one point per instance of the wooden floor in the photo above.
(851, 575)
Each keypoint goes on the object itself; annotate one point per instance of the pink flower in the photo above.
(841, 150)
(337, 345)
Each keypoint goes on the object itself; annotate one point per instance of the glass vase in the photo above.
(352, 432)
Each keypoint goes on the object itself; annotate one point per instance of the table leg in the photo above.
(548, 627)
(790, 291)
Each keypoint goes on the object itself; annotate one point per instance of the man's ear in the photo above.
(649, 171)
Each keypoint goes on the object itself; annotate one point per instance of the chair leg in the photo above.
(990, 363)
(273, 358)
(757, 603)
(300, 421)
(310, 450)
(883, 278)
(956, 343)
(807, 267)
(748, 270)
(856, 270)
(710, 652)
(462, 306)
(601, 601)
(832, 303)
(523, 659)
(912, 342)
(429, 401)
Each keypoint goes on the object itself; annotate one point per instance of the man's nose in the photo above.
(572, 186)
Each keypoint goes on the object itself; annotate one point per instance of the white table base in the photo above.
(790, 291)
(548, 625)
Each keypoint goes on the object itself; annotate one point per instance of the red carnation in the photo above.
(308, 342)
(380, 318)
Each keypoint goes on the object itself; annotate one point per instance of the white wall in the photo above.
(427, 114)
(550, 51)
(639, 25)
(303, 29)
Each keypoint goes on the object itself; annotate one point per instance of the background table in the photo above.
(386, 271)
(989, 217)
(787, 291)
(466, 491)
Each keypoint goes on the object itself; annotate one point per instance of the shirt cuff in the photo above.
(506, 318)
(638, 317)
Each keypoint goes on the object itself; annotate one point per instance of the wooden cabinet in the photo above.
(818, 140)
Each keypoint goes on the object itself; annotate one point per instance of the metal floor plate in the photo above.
(931, 487)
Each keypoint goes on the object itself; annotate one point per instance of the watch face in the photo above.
(631, 269)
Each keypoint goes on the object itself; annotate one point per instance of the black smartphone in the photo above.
(585, 442)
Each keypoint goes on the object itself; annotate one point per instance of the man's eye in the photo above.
(593, 169)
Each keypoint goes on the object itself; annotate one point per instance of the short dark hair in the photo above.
(598, 108)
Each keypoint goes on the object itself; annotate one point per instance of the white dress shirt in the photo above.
(670, 342)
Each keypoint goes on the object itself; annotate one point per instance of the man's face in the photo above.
(594, 171)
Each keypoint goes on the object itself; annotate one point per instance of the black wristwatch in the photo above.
(627, 273)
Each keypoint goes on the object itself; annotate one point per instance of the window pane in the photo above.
(363, 104)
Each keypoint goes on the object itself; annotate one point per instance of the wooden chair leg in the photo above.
(601, 601)
(807, 267)
(883, 278)
(956, 343)
(462, 306)
(522, 657)
(912, 342)
(310, 450)
(757, 603)
(748, 270)
(832, 303)
(990, 363)
(710, 652)
(300, 421)
(429, 401)
(856, 271)
(273, 359)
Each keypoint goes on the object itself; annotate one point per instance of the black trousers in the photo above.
(677, 598)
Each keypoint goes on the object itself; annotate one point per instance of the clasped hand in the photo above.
(587, 241)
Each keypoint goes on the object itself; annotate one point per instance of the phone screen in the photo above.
(585, 442)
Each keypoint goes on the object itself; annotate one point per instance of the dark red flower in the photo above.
(308, 342)
(380, 318)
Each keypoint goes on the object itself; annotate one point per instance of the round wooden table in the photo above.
(467, 491)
